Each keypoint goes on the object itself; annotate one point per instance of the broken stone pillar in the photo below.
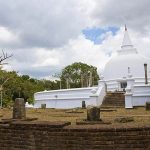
(83, 104)
(93, 113)
(43, 106)
(19, 111)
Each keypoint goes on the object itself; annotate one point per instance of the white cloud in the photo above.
(46, 58)
(117, 12)
(46, 62)
(45, 36)
(7, 37)
(48, 23)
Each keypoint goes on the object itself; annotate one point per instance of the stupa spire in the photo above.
(126, 44)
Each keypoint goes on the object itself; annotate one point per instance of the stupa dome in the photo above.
(127, 61)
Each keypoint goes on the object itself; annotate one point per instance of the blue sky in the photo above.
(95, 34)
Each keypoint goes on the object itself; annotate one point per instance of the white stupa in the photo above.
(124, 72)
(128, 60)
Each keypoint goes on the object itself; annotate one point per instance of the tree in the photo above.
(3, 79)
(79, 75)
(25, 77)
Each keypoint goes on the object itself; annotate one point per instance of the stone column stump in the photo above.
(19, 111)
(93, 113)
(43, 106)
(83, 104)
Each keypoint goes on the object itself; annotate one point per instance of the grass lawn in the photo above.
(140, 115)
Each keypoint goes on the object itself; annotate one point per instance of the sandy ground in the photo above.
(140, 115)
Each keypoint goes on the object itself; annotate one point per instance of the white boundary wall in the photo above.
(71, 98)
(65, 98)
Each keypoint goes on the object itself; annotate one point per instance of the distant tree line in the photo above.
(14, 86)
(22, 86)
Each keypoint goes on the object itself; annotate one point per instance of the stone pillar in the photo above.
(93, 113)
(19, 111)
(83, 104)
(43, 106)
(145, 69)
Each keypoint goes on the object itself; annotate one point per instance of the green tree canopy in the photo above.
(13, 86)
(79, 75)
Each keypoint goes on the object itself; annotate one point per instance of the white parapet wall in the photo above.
(137, 92)
(141, 95)
(112, 85)
(65, 98)
(99, 94)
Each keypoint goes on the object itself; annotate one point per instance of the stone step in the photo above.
(113, 102)
(114, 99)
(110, 98)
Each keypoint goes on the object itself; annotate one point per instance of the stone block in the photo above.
(93, 113)
(124, 119)
(19, 111)
(43, 106)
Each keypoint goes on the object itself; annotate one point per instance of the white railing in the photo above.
(99, 95)
(101, 92)
(140, 81)
(112, 85)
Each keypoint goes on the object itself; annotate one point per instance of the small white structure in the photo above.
(27, 105)
(123, 72)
